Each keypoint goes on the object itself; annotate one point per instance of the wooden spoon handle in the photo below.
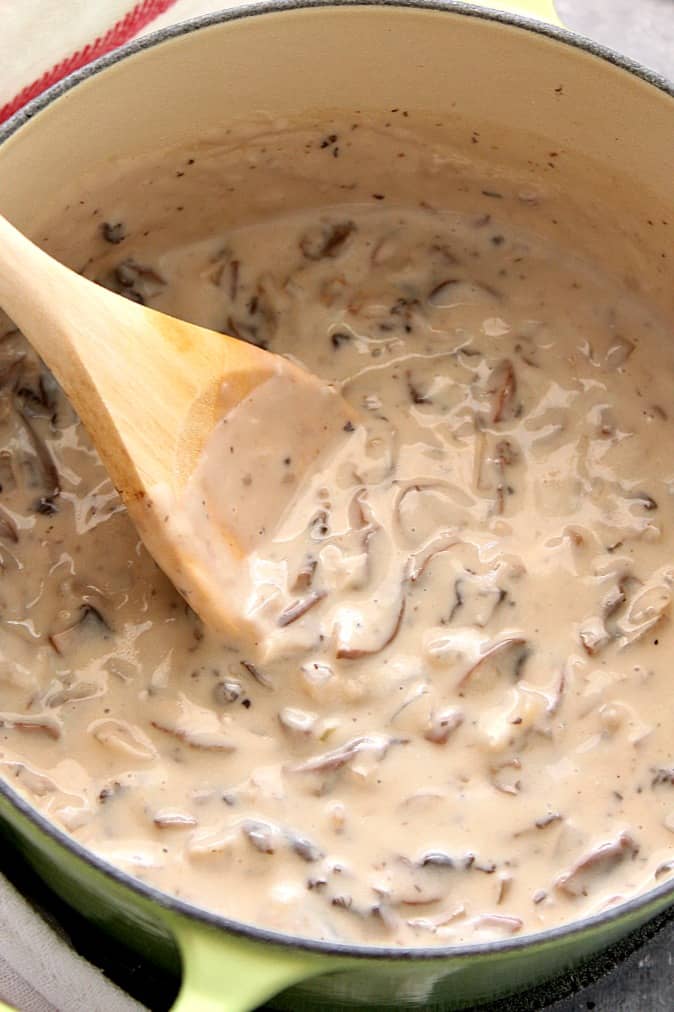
(76, 327)
(36, 291)
(147, 387)
(83, 333)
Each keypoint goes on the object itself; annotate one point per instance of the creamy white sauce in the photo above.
(459, 726)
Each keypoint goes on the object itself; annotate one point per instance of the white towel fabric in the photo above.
(39, 972)
(42, 40)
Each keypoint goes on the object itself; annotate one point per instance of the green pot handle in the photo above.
(544, 10)
(229, 974)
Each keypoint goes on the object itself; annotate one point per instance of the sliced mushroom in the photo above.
(258, 675)
(264, 837)
(499, 922)
(228, 691)
(138, 282)
(89, 620)
(305, 574)
(124, 738)
(442, 725)
(37, 783)
(298, 723)
(419, 561)
(194, 725)
(257, 322)
(376, 745)
(460, 292)
(593, 636)
(505, 776)
(600, 861)
(476, 598)
(663, 775)
(403, 883)
(644, 612)
(466, 649)
(326, 240)
(297, 609)
(502, 387)
(432, 923)
(46, 478)
(44, 723)
(169, 818)
(304, 848)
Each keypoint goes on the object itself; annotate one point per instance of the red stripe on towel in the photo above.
(133, 22)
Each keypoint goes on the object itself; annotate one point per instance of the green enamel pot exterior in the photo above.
(227, 966)
(226, 972)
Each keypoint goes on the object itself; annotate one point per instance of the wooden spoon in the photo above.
(150, 389)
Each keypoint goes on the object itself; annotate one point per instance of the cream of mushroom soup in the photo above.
(459, 724)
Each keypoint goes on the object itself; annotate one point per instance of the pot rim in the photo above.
(175, 905)
(255, 8)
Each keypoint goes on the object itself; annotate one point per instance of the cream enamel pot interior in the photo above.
(528, 89)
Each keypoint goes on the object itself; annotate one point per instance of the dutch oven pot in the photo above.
(518, 76)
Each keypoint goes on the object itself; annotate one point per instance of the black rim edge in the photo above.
(638, 904)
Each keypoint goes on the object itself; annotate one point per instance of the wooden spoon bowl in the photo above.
(150, 389)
